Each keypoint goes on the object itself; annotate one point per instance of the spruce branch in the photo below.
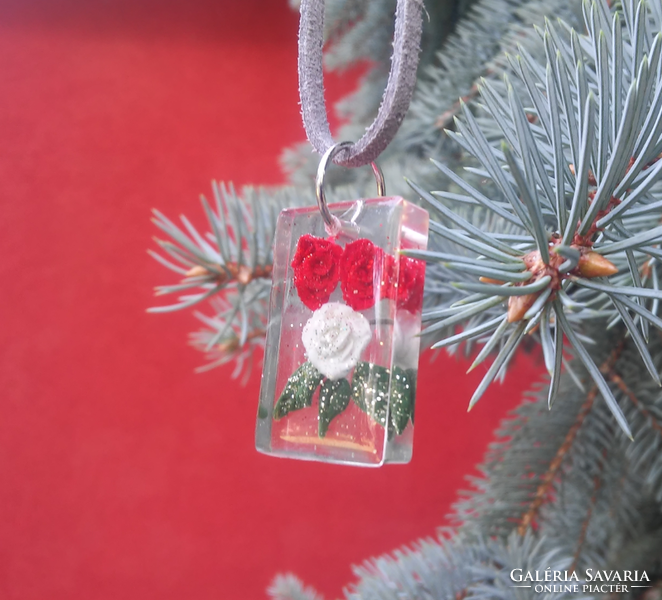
(557, 186)
(573, 195)
(460, 567)
(229, 266)
(618, 380)
(477, 49)
(289, 587)
(234, 332)
(519, 475)
(585, 479)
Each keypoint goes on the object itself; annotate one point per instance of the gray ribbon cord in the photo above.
(398, 93)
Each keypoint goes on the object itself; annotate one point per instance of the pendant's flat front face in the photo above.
(341, 354)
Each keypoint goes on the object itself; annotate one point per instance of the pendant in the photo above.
(341, 354)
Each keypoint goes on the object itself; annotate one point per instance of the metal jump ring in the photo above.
(327, 157)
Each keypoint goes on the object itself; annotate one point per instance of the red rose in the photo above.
(411, 281)
(363, 267)
(315, 266)
(387, 283)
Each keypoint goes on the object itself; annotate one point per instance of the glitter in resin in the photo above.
(341, 354)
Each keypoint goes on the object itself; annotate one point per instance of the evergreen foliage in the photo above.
(546, 204)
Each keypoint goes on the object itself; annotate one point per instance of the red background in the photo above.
(125, 475)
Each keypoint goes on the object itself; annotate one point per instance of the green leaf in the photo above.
(334, 398)
(412, 373)
(402, 399)
(299, 390)
(370, 392)
(370, 385)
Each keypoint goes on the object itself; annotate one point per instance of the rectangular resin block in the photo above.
(341, 353)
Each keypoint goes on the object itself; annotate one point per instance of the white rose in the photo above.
(334, 338)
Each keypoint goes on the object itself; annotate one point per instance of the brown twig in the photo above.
(597, 483)
(232, 345)
(618, 381)
(555, 465)
(231, 272)
(444, 119)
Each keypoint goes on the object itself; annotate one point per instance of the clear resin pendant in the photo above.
(341, 356)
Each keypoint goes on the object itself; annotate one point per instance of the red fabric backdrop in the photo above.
(125, 475)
